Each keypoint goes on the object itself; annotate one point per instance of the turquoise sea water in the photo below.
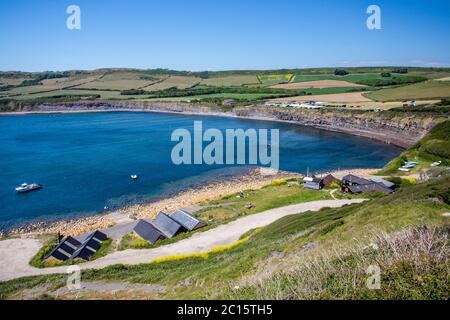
(84, 160)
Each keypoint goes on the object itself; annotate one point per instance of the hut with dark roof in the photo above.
(328, 180)
(313, 184)
(167, 226)
(148, 232)
(354, 184)
(90, 245)
(187, 220)
(65, 249)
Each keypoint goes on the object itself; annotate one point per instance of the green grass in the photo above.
(421, 204)
(38, 260)
(230, 81)
(76, 92)
(353, 78)
(269, 197)
(430, 90)
(133, 241)
(231, 207)
(435, 146)
(238, 96)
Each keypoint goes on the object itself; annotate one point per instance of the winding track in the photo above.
(16, 253)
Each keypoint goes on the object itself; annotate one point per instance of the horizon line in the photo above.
(231, 70)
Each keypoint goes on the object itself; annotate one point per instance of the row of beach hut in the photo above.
(167, 226)
(71, 248)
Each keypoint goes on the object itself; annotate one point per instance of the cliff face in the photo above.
(401, 129)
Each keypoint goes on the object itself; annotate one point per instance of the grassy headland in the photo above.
(336, 245)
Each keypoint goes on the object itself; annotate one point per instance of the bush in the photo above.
(340, 72)
(280, 182)
(334, 185)
(38, 260)
(181, 257)
(133, 92)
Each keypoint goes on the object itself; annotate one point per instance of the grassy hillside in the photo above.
(419, 91)
(268, 264)
(435, 146)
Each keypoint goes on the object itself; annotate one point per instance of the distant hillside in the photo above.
(213, 87)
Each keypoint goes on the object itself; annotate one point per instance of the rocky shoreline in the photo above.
(191, 197)
(185, 199)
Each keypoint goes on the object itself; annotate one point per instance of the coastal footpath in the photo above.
(15, 266)
(402, 129)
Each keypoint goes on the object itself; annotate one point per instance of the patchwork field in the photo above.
(246, 86)
(237, 96)
(320, 84)
(354, 78)
(104, 94)
(12, 81)
(349, 97)
(179, 82)
(231, 81)
(53, 84)
(420, 91)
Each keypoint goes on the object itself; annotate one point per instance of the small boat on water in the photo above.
(134, 177)
(25, 187)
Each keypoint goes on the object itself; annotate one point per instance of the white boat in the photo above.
(25, 187)
(436, 164)
(404, 169)
(134, 176)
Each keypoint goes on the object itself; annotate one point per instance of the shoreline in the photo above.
(310, 119)
(184, 199)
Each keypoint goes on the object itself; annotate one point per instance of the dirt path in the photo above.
(16, 253)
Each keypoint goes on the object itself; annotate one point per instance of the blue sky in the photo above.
(220, 35)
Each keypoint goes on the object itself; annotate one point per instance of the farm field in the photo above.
(348, 97)
(238, 96)
(179, 82)
(108, 94)
(430, 75)
(52, 84)
(420, 91)
(354, 78)
(310, 84)
(121, 81)
(320, 84)
(271, 79)
(12, 81)
(231, 81)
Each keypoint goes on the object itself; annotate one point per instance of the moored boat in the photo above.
(25, 187)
